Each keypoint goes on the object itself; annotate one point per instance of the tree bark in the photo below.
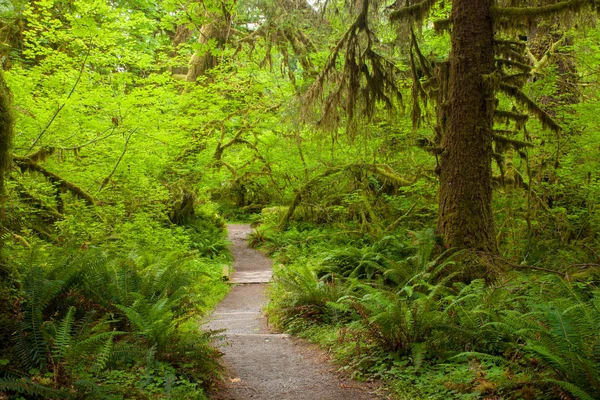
(8, 274)
(465, 218)
(214, 32)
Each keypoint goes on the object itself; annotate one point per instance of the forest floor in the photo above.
(263, 364)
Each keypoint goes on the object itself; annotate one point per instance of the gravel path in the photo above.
(262, 364)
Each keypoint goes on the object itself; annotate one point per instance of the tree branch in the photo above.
(417, 11)
(520, 13)
(107, 179)
(59, 109)
(27, 164)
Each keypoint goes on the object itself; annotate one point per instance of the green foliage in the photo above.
(396, 310)
(106, 302)
(80, 312)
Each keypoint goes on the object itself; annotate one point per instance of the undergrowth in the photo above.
(95, 323)
(394, 308)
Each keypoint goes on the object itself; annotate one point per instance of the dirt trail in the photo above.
(263, 364)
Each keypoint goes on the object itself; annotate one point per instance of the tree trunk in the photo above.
(7, 272)
(465, 218)
(7, 121)
(215, 33)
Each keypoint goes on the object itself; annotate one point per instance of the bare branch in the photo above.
(59, 109)
(107, 179)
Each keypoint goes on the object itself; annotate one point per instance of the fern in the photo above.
(62, 339)
(90, 390)
(575, 390)
(104, 355)
(26, 386)
(32, 344)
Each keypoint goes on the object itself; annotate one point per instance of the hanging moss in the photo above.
(513, 64)
(366, 79)
(516, 144)
(518, 79)
(511, 52)
(531, 106)
(442, 25)
(182, 205)
(416, 12)
(516, 43)
(42, 154)
(507, 116)
(520, 14)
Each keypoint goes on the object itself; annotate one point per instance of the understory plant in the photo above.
(98, 326)
(398, 310)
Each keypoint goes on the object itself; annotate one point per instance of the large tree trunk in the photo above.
(214, 32)
(6, 132)
(7, 272)
(465, 218)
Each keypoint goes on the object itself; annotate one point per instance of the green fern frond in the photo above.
(95, 341)
(104, 355)
(553, 360)
(26, 386)
(90, 390)
(575, 390)
(62, 340)
(418, 353)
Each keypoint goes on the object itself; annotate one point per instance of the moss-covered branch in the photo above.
(416, 12)
(383, 170)
(366, 78)
(27, 164)
(513, 64)
(505, 116)
(521, 14)
(517, 144)
(519, 79)
(531, 106)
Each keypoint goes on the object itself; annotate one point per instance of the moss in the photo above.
(26, 164)
(442, 25)
(416, 12)
(531, 106)
(506, 116)
(182, 205)
(382, 170)
(520, 14)
(367, 78)
(7, 121)
(516, 144)
(518, 79)
(513, 64)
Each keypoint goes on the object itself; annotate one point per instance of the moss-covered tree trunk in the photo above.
(6, 133)
(7, 273)
(465, 218)
(212, 37)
